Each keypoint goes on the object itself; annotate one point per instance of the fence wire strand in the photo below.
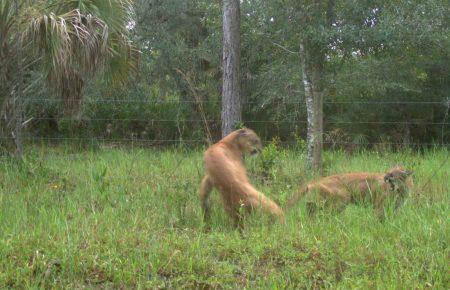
(245, 102)
(162, 141)
(145, 124)
(149, 120)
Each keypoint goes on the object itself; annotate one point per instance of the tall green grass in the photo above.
(114, 218)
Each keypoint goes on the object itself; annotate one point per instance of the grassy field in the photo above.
(116, 218)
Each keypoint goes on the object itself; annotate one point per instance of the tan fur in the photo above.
(342, 189)
(225, 170)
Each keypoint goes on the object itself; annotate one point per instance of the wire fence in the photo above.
(95, 128)
(444, 102)
(149, 120)
(167, 141)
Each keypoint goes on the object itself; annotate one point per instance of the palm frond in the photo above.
(6, 38)
(87, 39)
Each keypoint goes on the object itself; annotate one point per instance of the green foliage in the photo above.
(376, 51)
(67, 43)
(300, 144)
(268, 158)
(239, 125)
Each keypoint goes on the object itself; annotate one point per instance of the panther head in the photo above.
(248, 142)
(398, 178)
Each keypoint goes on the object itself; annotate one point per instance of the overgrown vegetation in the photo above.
(104, 217)
(114, 218)
(55, 48)
(376, 51)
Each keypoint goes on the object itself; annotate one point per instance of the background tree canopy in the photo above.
(385, 72)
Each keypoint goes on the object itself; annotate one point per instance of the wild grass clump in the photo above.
(114, 218)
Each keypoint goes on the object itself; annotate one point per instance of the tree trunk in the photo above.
(231, 101)
(312, 69)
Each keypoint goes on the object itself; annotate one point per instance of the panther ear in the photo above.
(388, 177)
(242, 132)
(407, 173)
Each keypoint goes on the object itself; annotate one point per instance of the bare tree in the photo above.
(231, 101)
(311, 77)
(312, 62)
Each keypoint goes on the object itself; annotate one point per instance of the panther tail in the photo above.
(296, 197)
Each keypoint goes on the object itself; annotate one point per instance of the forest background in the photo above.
(384, 71)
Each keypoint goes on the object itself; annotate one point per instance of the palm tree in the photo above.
(68, 42)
